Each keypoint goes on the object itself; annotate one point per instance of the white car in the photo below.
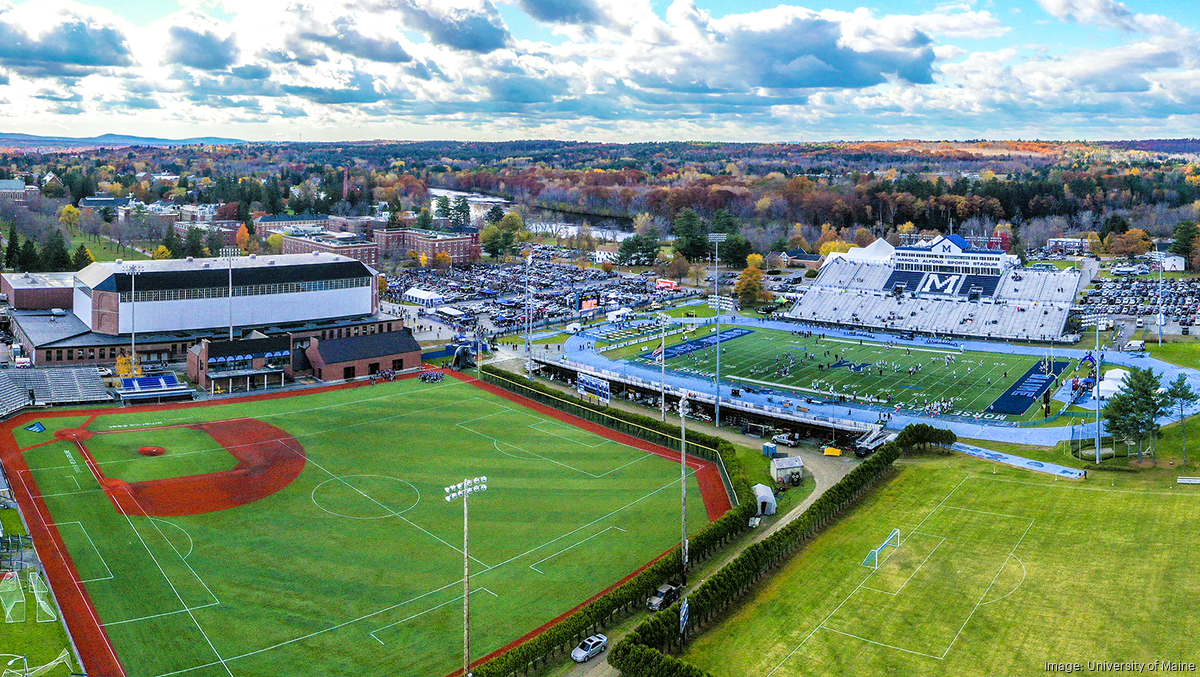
(592, 646)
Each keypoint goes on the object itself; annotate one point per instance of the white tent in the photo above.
(765, 498)
(879, 250)
(423, 297)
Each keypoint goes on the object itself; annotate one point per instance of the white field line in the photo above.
(856, 589)
(343, 624)
(537, 426)
(110, 575)
(915, 571)
(889, 646)
(1018, 585)
(165, 613)
(172, 585)
(1011, 553)
(898, 347)
(422, 613)
(573, 545)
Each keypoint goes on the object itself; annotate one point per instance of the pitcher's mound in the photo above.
(152, 451)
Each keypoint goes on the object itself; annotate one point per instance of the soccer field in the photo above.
(994, 575)
(308, 535)
(966, 383)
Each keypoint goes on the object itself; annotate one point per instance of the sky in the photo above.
(601, 70)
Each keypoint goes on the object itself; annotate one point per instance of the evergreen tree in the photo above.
(724, 222)
(460, 213)
(691, 239)
(424, 219)
(1185, 238)
(495, 214)
(173, 243)
(193, 245)
(12, 252)
(443, 206)
(1181, 394)
(734, 251)
(82, 258)
(55, 256)
(29, 261)
(215, 243)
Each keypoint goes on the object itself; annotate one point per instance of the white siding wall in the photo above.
(247, 310)
(83, 307)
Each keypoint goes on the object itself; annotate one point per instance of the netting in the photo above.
(872, 559)
(63, 659)
(46, 611)
(12, 597)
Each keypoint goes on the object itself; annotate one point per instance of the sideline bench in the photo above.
(1188, 480)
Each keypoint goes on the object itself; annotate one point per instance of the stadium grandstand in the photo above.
(54, 386)
(944, 287)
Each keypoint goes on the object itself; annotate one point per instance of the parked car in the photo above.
(787, 439)
(663, 597)
(588, 648)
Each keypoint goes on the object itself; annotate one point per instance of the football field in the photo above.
(992, 575)
(924, 378)
(309, 535)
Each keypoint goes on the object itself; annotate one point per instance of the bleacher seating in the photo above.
(857, 294)
(153, 387)
(61, 386)
(987, 284)
(910, 278)
(12, 396)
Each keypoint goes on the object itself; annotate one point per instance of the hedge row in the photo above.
(644, 651)
(601, 613)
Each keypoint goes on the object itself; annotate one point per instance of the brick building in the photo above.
(397, 242)
(351, 245)
(338, 359)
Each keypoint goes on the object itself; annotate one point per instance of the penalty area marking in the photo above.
(422, 613)
(96, 550)
(941, 540)
(577, 543)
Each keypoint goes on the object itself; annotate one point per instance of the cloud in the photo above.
(1108, 13)
(346, 39)
(563, 11)
(70, 40)
(200, 47)
(476, 29)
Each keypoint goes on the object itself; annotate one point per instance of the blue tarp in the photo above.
(1017, 461)
(701, 343)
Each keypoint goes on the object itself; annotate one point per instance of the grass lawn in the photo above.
(995, 574)
(357, 561)
(39, 642)
(105, 249)
(760, 358)
(1181, 350)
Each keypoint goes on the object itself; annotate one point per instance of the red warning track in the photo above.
(268, 460)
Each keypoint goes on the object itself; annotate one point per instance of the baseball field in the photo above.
(308, 534)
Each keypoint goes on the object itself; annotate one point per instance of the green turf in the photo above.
(188, 452)
(751, 359)
(356, 567)
(105, 249)
(996, 575)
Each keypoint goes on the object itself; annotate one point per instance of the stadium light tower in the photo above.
(528, 315)
(133, 270)
(683, 543)
(463, 490)
(663, 320)
(716, 239)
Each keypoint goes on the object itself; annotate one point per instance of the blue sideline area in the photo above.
(1018, 462)
(701, 343)
(1026, 391)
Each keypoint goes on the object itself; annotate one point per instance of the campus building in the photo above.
(175, 304)
(398, 242)
(348, 244)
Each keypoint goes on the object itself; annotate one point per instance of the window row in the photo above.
(243, 290)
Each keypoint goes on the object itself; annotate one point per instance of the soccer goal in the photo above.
(41, 593)
(12, 597)
(872, 560)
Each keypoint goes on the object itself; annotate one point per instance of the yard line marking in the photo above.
(577, 543)
(422, 613)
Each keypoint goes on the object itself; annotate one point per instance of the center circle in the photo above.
(365, 497)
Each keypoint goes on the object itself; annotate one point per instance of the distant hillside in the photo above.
(32, 142)
(1159, 145)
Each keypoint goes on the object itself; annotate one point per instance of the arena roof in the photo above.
(213, 272)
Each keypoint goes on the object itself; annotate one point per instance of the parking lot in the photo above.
(1179, 301)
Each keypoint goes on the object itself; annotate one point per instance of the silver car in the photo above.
(592, 646)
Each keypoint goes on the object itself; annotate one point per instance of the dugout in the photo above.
(764, 498)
